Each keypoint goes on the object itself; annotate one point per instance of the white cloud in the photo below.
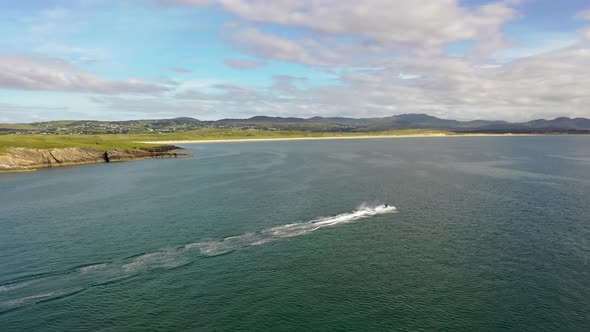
(286, 83)
(401, 46)
(545, 85)
(343, 33)
(419, 24)
(583, 15)
(244, 63)
(24, 72)
(539, 86)
(150, 107)
(224, 94)
(188, 2)
(259, 43)
(30, 113)
(390, 54)
(181, 70)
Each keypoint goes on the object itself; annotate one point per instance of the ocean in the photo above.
(481, 234)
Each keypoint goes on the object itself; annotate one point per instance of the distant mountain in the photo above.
(424, 121)
(405, 121)
(315, 124)
(561, 123)
(263, 119)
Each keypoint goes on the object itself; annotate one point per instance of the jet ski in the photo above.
(387, 207)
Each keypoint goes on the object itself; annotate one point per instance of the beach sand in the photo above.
(331, 138)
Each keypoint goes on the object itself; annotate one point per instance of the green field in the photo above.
(101, 142)
(130, 141)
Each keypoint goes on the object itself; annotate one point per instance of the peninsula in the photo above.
(24, 152)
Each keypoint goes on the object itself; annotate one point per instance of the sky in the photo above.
(512, 60)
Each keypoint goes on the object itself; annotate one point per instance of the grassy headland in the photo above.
(132, 141)
(100, 142)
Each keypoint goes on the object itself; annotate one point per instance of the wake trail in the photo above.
(232, 243)
(19, 293)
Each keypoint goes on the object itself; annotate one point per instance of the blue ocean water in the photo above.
(490, 233)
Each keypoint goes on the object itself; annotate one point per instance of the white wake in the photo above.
(229, 244)
(28, 291)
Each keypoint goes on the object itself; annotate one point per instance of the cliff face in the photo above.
(29, 159)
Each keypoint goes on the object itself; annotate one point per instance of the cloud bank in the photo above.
(359, 58)
(22, 72)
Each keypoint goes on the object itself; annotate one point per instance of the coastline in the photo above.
(338, 138)
(29, 160)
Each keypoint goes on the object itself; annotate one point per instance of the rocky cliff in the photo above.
(16, 159)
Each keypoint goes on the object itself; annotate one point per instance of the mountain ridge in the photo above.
(315, 124)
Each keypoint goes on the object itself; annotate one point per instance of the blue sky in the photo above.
(115, 60)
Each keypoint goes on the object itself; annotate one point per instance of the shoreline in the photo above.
(342, 137)
(30, 159)
(34, 168)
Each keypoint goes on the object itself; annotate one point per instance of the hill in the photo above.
(314, 124)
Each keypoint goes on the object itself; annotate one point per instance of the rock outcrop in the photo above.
(16, 159)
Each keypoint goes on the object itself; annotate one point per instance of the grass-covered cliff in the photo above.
(29, 152)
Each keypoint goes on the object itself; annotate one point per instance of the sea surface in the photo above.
(488, 234)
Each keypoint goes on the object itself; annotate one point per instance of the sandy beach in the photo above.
(331, 138)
